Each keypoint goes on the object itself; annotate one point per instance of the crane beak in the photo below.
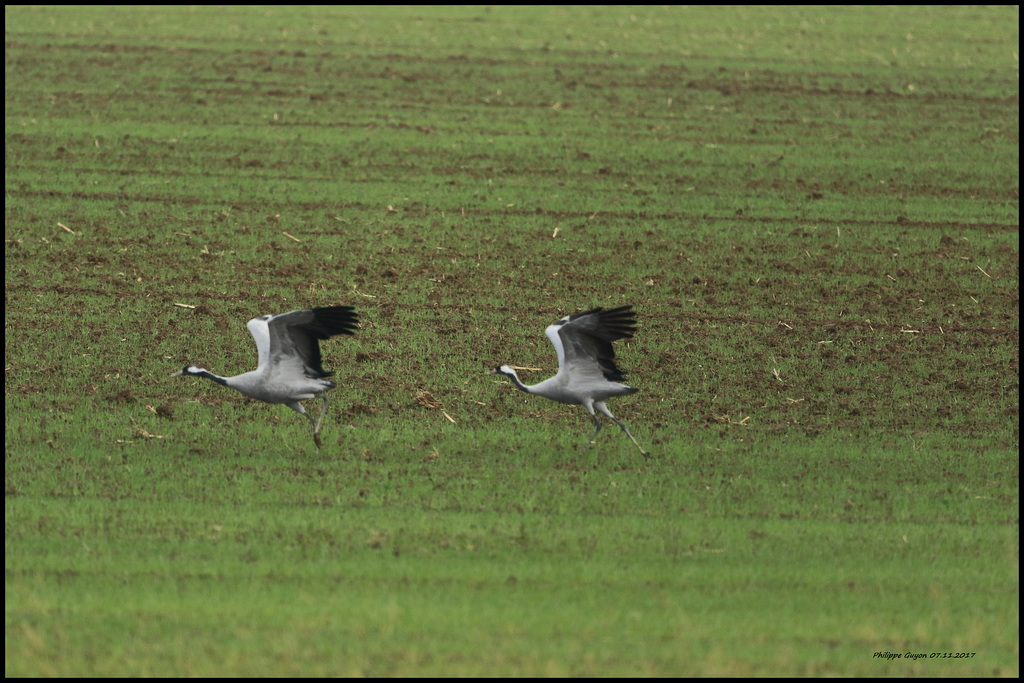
(179, 373)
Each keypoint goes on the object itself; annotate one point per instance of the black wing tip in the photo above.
(610, 370)
(333, 320)
(326, 309)
(619, 313)
(336, 312)
(614, 323)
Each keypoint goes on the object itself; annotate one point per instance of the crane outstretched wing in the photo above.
(584, 340)
(292, 339)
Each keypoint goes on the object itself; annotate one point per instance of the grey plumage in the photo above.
(587, 373)
(290, 367)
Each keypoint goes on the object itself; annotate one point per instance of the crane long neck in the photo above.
(223, 381)
(519, 384)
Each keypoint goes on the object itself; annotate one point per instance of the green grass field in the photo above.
(815, 212)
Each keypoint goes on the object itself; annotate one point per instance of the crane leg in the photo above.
(590, 441)
(318, 423)
(642, 451)
(604, 409)
(297, 407)
(323, 411)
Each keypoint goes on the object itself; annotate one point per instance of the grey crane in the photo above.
(289, 367)
(587, 374)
